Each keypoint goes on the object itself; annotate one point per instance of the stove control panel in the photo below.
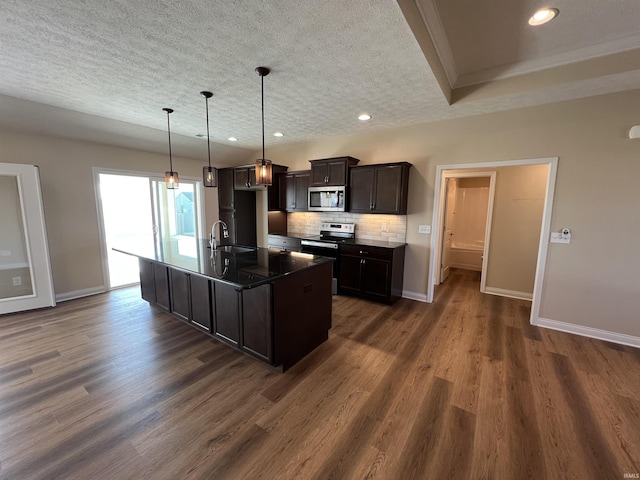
(337, 227)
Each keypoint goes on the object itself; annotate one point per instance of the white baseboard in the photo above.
(466, 266)
(63, 297)
(420, 297)
(508, 293)
(596, 333)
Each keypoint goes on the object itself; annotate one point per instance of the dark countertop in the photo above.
(378, 243)
(242, 270)
(357, 241)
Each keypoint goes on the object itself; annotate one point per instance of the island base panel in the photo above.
(302, 313)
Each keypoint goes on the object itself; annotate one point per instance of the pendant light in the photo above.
(263, 166)
(209, 174)
(170, 177)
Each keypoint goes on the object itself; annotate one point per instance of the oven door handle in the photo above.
(311, 243)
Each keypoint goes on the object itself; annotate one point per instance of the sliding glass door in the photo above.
(140, 214)
(177, 220)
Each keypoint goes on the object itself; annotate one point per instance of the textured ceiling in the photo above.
(103, 71)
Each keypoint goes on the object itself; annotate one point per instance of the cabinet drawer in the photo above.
(367, 252)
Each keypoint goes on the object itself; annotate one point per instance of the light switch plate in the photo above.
(426, 229)
(557, 237)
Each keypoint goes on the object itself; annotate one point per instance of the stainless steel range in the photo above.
(326, 244)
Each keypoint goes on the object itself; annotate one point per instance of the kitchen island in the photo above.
(275, 306)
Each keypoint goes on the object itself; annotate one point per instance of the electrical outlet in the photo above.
(308, 223)
(384, 228)
(5, 253)
(17, 281)
(425, 229)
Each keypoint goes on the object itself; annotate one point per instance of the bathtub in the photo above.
(467, 256)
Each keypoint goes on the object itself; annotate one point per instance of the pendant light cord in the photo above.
(262, 83)
(169, 130)
(206, 101)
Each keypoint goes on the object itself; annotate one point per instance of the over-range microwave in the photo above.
(327, 199)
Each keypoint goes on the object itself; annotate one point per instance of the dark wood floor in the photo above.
(108, 387)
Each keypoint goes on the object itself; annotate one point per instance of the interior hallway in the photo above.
(108, 387)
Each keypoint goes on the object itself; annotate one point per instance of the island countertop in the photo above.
(242, 267)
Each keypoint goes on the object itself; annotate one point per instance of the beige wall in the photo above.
(515, 228)
(69, 200)
(593, 281)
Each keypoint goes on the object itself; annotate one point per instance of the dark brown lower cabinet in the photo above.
(257, 322)
(374, 273)
(201, 302)
(180, 292)
(278, 322)
(191, 298)
(147, 280)
(154, 283)
(226, 325)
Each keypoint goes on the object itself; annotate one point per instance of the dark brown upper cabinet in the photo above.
(379, 188)
(297, 187)
(276, 193)
(245, 178)
(331, 171)
(225, 188)
(237, 208)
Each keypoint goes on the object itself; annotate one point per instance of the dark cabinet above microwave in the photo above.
(380, 188)
(331, 171)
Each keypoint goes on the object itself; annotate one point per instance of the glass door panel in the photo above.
(177, 221)
(128, 222)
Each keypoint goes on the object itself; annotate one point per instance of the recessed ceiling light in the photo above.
(233, 139)
(278, 134)
(543, 15)
(364, 117)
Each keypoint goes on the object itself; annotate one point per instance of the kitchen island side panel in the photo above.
(302, 313)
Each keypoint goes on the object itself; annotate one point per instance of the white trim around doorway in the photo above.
(544, 231)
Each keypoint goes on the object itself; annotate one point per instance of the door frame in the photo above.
(545, 229)
(36, 243)
(101, 228)
(440, 232)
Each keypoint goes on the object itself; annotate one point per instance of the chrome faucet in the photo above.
(212, 238)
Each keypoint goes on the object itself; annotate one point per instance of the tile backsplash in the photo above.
(368, 227)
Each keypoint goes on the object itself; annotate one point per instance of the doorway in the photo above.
(467, 204)
(544, 232)
(138, 213)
